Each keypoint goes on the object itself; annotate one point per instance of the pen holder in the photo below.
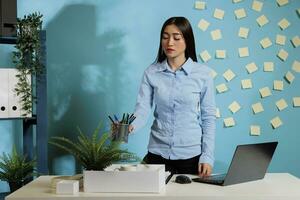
(119, 132)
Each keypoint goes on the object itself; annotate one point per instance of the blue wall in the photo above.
(97, 51)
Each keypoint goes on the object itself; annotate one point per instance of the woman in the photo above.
(183, 131)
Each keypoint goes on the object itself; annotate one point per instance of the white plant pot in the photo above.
(136, 178)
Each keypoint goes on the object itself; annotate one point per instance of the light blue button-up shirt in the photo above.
(184, 114)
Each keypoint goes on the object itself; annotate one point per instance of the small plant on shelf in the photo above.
(16, 169)
(27, 58)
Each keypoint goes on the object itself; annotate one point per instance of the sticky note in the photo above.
(266, 42)
(296, 41)
(276, 122)
(243, 32)
(203, 24)
(282, 2)
(218, 114)
(289, 77)
(268, 66)
(262, 20)
(296, 101)
(220, 54)
(216, 34)
(219, 14)
(281, 104)
(298, 12)
(200, 5)
(228, 75)
(243, 52)
(236, 1)
(240, 13)
(296, 66)
(221, 88)
(213, 73)
(257, 5)
(251, 67)
(257, 108)
(282, 54)
(278, 85)
(265, 92)
(284, 23)
(280, 39)
(229, 122)
(246, 83)
(205, 56)
(254, 130)
(234, 107)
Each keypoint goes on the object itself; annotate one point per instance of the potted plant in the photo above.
(27, 58)
(16, 169)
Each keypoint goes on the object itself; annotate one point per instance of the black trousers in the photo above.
(181, 166)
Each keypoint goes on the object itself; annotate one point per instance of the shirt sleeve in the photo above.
(143, 104)
(208, 117)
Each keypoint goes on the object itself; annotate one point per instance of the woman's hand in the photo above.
(130, 128)
(204, 169)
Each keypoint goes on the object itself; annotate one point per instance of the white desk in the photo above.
(281, 186)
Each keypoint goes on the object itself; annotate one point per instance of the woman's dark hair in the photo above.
(185, 27)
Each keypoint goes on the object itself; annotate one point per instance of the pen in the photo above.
(116, 118)
(111, 119)
(122, 121)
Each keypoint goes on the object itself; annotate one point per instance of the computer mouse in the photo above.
(182, 179)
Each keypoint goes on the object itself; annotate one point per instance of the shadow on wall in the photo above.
(84, 74)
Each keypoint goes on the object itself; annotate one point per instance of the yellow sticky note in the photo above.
(296, 66)
(229, 122)
(257, 5)
(200, 5)
(282, 2)
(236, 1)
(268, 66)
(218, 114)
(284, 23)
(289, 77)
(276, 122)
(265, 92)
(216, 34)
(296, 101)
(228, 75)
(240, 13)
(251, 67)
(203, 24)
(262, 20)
(278, 85)
(219, 14)
(281, 104)
(266, 42)
(296, 41)
(205, 56)
(280, 39)
(234, 107)
(246, 83)
(243, 32)
(221, 54)
(213, 73)
(282, 54)
(243, 52)
(221, 88)
(257, 108)
(254, 130)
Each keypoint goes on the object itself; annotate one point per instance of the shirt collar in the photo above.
(186, 67)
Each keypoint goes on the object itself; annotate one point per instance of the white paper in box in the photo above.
(146, 178)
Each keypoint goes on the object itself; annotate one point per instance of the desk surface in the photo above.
(274, 186)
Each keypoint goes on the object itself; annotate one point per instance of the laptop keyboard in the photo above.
(215, 179)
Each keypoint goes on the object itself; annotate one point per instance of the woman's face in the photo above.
(173, 42)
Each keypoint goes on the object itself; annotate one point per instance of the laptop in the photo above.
(250, 162)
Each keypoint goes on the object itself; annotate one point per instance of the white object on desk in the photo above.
(275, 186)
(67, 187)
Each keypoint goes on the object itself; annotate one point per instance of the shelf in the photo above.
(8, 40)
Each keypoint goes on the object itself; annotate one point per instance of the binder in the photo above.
(14, 103)
(3, 93)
